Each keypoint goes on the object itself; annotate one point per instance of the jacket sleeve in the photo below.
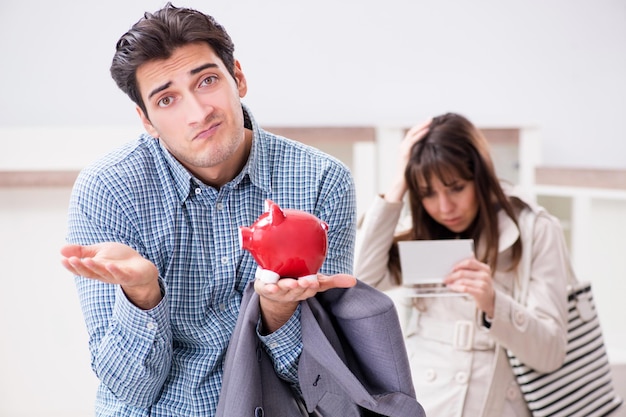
(374, 238)
(537, 331)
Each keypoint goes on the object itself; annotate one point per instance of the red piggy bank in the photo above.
(285, 243)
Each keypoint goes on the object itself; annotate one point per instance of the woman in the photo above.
(457, 345)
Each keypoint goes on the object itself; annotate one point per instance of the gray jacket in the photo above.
(353, 363)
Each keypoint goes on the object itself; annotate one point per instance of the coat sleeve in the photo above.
(374, 238)
(536, 332)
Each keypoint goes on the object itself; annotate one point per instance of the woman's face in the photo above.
(454, 206)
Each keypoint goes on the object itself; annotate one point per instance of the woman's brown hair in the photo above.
(454, 149)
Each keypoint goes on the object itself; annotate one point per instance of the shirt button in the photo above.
(151, 325)
(273, 345)
(461, 377)
(219, 206)
(520, 318)
(430, 375)
(224, 260)
(198, 190)
(222, 306)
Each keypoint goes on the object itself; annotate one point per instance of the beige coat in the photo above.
(459, 367)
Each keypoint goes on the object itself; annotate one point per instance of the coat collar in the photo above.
(509, 232)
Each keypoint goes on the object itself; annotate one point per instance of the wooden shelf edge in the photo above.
(313, 134)
(581, 177)
(15, 179)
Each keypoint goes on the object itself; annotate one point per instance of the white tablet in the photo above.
(425, 263)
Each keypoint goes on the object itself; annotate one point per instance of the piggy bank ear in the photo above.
(275, 213)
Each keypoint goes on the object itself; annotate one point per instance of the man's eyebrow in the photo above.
(192, 72)
(159, 89)
(202, 68)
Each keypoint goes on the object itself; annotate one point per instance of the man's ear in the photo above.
(242, 84)
(146, 123)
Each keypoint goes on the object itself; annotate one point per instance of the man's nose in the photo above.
(195, 110)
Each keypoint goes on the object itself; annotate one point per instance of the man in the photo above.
(153, 226)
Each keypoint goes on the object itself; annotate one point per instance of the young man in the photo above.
(159, 220)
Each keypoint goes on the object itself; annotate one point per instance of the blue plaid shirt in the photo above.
(168, 361)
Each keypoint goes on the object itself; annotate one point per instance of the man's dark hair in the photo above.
(157, 35)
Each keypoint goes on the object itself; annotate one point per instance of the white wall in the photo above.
(44, 359)
(558, 66)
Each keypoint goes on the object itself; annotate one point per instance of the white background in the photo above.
(559, 65)
(556, 65)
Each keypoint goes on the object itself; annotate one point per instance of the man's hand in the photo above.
(280, 300)
(116, 263)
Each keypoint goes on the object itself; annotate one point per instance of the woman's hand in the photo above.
(473, 277)
(414, 135)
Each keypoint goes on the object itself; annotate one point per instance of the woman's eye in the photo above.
(458, 188)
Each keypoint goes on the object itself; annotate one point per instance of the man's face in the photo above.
(193, 106)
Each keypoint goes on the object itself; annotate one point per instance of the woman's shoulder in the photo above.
(520, 197)
(527, 208)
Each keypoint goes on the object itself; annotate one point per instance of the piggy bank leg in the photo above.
(266, 276)
(312, 277)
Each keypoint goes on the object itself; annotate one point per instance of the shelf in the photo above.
(311, 135)
(15, 179)
(581, 177)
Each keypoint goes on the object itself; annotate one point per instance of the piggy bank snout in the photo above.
(245, 237)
